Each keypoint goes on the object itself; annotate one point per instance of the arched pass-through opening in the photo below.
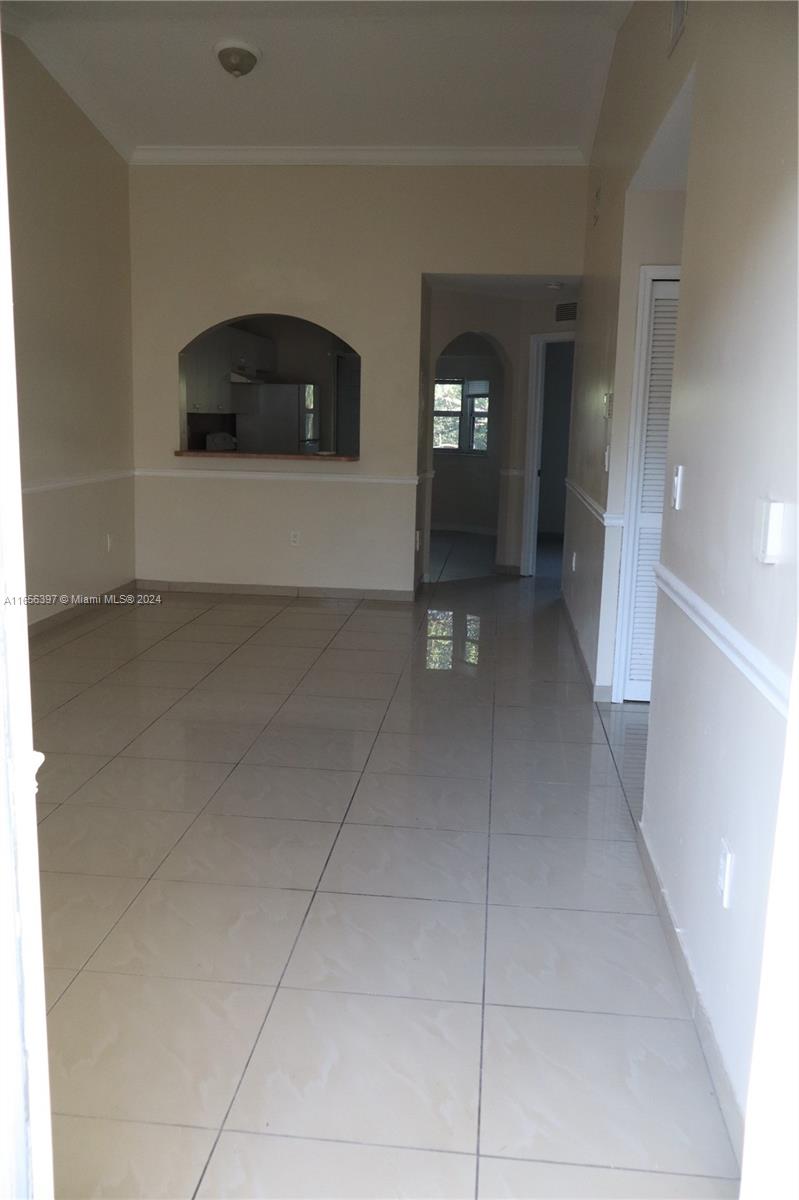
(467, 414)
(270, 384)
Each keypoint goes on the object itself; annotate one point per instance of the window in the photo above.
(460, 415)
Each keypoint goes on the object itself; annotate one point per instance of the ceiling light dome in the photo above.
(237, 58)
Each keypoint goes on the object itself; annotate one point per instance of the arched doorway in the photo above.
(467, 406)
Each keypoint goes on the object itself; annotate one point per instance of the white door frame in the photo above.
(647, 278)
(26, 1162)
(532, 449)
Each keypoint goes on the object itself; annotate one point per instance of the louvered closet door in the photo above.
(650, 474)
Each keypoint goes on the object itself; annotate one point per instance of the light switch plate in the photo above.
(676, 488)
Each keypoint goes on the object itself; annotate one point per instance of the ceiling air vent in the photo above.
(566, 311)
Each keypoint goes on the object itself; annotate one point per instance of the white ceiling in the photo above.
(416, 81)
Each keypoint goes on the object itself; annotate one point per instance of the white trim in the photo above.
(26, 1158)
(354, 156)
(608, 519)
(55, 485)
(646, 279)
(532, 445)
(772, 683)
(512, 472)
(287, 476)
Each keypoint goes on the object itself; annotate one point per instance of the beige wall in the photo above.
(346, 248)
(69, 234)
(715, 739)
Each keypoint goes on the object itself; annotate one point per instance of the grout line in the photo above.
(485, 950)
(290, 955)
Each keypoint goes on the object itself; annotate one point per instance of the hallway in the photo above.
(267, 881)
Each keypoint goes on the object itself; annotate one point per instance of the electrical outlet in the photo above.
(574, 561)
(724, 878)
(294, 537)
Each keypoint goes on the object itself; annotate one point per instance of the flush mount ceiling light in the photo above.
(237, 58)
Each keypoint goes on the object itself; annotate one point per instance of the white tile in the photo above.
(102, 841)
(46, 696)
(428, 716)
(424, 863)
(245, 708)
(359, 639)
(288, 635)
(423, 754)
(506, 1179)
(77, 913)
(526, 763)
(333, 749)
(244, 677)
(591, 961)
(202, 741)
(141, 783)
(572, 723)
(278, 1168)
(200, 631)
(251, 850)
(421, 800)
(375, 685)
(307, 1076)
(58, 667)
(548, 872)
(170, 650)
(62, 774)
(56, 981)
(600, 1090)
(205, 931)
(330, 712)
(395, 947)
(562, 810)
(296, 657)
(143, 1049)
(382, 661)
(139, 673)
(291, 793)
(98, 1158)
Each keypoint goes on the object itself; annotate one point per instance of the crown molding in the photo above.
(358, 156)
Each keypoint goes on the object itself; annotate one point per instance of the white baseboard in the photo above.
(728, 1103)
(268, 589)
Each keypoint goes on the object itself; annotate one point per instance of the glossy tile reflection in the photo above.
(342, 898)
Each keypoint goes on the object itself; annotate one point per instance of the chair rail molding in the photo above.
(608, 519)
(74, 481)
(762, 673)
(287, 476)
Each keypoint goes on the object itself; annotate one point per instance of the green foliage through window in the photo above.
(460, 415)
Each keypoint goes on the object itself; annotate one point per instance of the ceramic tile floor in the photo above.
(343, 900)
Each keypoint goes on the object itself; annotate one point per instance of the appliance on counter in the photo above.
(263, 418)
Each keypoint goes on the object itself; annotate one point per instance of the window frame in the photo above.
(466, 417)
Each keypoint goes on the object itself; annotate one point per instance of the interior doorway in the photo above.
(467, 427)
(551, 379)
